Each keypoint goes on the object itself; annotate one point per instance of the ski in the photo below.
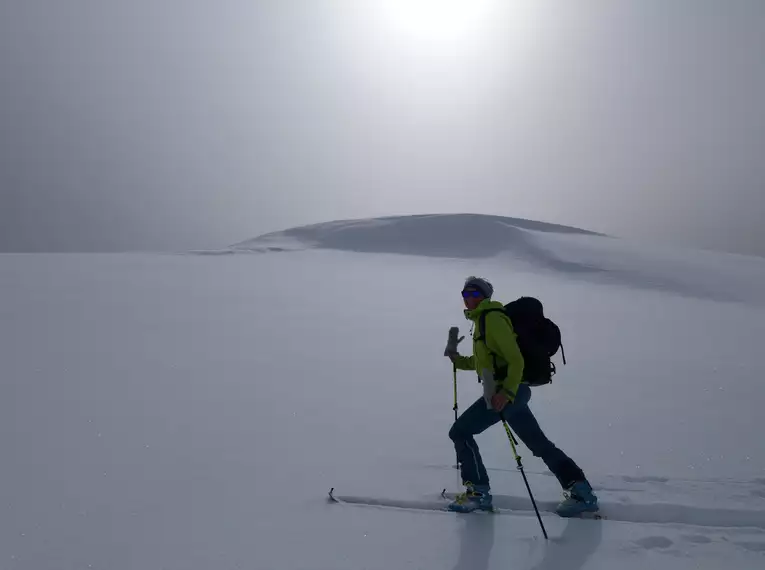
(596, 515)
(437, 504)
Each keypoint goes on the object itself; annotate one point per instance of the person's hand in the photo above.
(499, 401)
(453, 341)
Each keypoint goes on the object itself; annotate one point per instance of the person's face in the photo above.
(472, 298)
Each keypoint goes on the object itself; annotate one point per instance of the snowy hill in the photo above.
(532, 246)
(436, 235)
(192, 412)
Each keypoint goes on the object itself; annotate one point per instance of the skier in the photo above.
(503, 396)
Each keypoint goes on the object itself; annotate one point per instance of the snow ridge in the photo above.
(532, 247)
(436, 235)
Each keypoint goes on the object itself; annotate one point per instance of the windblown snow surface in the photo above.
(191, 412)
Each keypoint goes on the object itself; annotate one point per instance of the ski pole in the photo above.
(451, 351)
(454, 371)
(513, 444)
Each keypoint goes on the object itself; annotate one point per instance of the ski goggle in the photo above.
(470, 293)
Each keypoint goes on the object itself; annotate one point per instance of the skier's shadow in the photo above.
(476, 542)
(579, 541)
(571, 550)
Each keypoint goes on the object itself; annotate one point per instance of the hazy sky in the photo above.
(167, 124)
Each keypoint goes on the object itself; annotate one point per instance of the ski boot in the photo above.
(579, 499)
(475, 497)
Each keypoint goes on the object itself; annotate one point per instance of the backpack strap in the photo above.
(482, 324)
(501, 372)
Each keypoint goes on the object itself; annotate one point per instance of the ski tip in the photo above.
(331, 494)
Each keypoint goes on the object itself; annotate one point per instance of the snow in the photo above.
(192, 411)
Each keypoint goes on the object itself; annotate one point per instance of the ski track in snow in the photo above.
(675, 530)
(658, 513)
(713, 502)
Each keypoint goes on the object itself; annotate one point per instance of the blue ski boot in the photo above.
(579, 499)
(475, 497)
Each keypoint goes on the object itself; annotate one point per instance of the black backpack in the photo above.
(538, 338)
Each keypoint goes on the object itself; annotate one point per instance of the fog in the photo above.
(162, 124)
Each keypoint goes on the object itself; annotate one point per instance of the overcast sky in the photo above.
(173, 124)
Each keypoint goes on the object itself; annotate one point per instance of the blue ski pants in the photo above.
(477, 418)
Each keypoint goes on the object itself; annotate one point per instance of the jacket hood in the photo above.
(482, 307)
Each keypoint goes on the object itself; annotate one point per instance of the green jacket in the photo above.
(497, 353)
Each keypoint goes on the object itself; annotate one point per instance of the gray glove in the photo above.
(454, 340)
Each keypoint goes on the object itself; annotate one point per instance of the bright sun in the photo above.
(436, 20)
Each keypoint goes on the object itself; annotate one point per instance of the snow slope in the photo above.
(191, 412)
(530, 245)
